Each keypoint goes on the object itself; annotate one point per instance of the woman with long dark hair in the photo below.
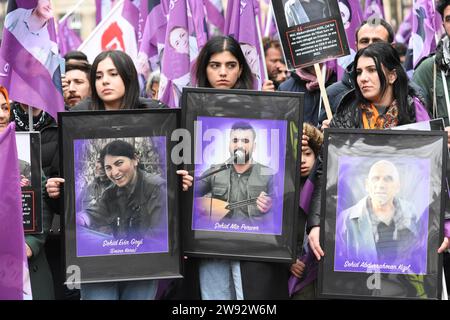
(114, 83)
(222, 65)
(383, 97)
(115, 86)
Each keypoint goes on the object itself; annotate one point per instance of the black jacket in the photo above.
(144, 103)
(49, 138)
(312, 98)
(337, 91)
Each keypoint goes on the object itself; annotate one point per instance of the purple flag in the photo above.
(143, 13)
(197, 23)
(214, 15)
(176, 59)
(12, 242)
(404, 31)
(374, 9)
(422, 41)
(29, 58)
(352, 16)
(131, 13)
(240, 23)
(68, 40)
(153, 37)
(102, 8)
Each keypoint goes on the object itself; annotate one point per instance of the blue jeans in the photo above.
(125, 290)
(220, 279)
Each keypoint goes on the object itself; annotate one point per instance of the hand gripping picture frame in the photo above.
(245, 164)
(383, 201)
(120, 195)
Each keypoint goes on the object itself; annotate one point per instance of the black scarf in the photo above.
(21, 119)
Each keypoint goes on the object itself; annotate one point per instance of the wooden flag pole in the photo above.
(323, 91)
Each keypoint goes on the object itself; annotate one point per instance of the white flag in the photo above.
(114, 32)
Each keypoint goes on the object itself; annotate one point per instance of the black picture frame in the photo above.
(159, 256)
(304, 42)
(354, 265)
(30, 165)
(206, 109)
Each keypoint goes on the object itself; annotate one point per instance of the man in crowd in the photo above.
(76, 83)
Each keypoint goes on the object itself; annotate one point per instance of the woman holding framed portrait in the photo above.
(221, 64)
(115, 87)
(382, 99)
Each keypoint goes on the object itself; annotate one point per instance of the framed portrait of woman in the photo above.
(383, 202)
(121, 202)
(245, 165)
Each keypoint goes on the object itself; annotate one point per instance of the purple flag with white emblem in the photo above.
(240, 23)
(422, 41)
(29, 58)
(214, 15)
(352, 16)
(374, 9)
(13, 263)
(197, 23)
(68, 40)
(176, 59)
(404, 31)
(153, 37)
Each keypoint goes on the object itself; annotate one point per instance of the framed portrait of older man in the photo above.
(121, 203)
(311, 31)
(383, 208)
(245, 165)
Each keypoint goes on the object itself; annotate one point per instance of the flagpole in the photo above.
(30, 118)
(261, 47)
(74, 8)
(268, 21)
(323, 91)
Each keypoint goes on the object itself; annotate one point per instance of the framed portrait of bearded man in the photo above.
(245, 162)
